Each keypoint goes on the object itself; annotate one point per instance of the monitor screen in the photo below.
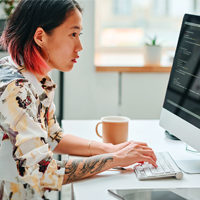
(183, 92)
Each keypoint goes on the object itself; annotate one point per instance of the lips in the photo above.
(74, 60)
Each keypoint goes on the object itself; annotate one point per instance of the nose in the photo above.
(79, 47)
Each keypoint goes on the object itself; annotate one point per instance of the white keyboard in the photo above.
(166, 168)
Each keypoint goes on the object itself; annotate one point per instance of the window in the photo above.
(129, 23)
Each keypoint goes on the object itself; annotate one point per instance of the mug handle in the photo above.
(97, 129)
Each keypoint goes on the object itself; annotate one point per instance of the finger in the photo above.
(146, 147)
(149, 160)
(139, 146)
(127, 143)
(148, 153)
(140, 143)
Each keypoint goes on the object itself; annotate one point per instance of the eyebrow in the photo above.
(76, 27)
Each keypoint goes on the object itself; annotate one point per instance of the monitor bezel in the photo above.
(185, 131)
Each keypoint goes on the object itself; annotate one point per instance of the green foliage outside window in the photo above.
(9, 6)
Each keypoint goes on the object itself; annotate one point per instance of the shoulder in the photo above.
(18, 92)
(12, 80)
(16, 99)
(8, 72)
(18, 96)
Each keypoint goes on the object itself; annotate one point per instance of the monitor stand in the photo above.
(170, 136)
(189, 166)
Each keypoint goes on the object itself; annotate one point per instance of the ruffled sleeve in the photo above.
(55, 133)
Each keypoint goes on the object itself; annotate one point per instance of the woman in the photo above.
(43, 35)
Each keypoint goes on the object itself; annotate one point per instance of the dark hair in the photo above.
(28, 16)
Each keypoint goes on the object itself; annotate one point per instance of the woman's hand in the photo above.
(110, 148)
(135, 152)
(114, 148)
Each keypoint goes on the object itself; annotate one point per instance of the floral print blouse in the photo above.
(29, 132)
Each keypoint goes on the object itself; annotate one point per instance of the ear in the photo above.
(40, 37)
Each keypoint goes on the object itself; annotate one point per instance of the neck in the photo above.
(40, 77)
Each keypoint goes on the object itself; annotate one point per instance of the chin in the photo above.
(67, 68)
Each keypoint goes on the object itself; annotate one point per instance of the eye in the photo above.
(74, 34)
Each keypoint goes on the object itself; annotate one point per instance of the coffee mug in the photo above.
(114, 129)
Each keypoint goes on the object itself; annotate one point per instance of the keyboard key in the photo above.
(154, 171)
(148, 172)
(159, 169)
(141, 173)
(139, 168)
(145, 166)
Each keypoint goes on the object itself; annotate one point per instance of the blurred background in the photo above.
(120, 26)
(127, 23)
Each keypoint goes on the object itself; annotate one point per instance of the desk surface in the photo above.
(139, 130)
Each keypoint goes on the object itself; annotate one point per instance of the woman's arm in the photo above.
(76, 169)
(74, 145)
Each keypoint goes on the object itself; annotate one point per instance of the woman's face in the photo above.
(64, 44)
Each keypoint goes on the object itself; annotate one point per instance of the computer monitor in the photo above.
(180, 114)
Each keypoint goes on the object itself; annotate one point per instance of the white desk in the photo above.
(147, 131)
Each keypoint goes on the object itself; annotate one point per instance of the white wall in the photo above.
(143, 94)
(91, 95)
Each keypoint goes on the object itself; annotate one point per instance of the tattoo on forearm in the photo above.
(80, 167)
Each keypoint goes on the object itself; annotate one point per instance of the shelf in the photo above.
(129, 62)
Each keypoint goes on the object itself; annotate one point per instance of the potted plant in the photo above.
(152, 52)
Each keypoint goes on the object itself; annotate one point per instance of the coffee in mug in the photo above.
(114, 129)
